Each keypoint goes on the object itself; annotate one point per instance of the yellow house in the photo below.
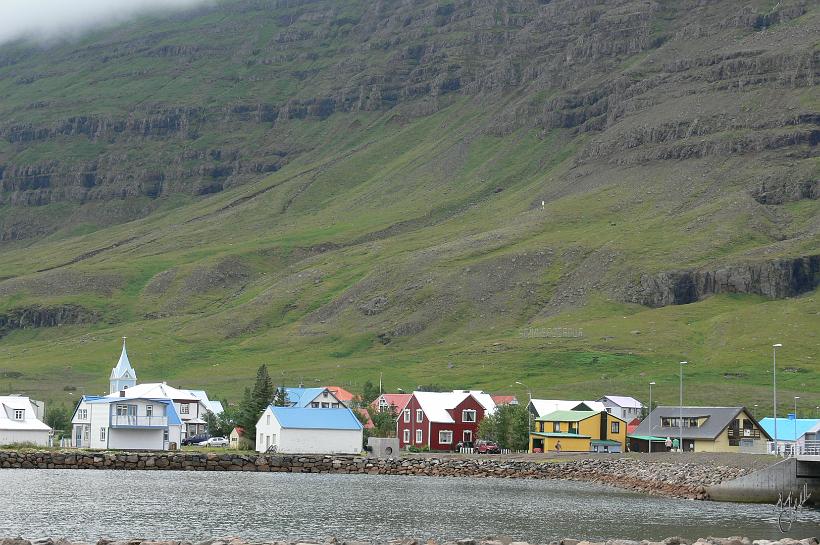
(704, 429)
(578, 431)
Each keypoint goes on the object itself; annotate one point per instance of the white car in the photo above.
(214, 442)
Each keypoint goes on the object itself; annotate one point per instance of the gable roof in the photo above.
(156, 390)
(504, 399)
(341, 394)
(436, 404)
(302, 397)
(316, 419)
(625, 402)
(29, 422)
(717, 418)
(546, 406)
(567, 416)
(397, 400)
(790, 430)
(485, 399)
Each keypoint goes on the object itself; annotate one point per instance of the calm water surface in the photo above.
(86, 505)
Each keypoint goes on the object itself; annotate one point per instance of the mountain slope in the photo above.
(342, 191)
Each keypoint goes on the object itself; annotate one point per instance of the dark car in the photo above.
(487, 447)
(194, 439)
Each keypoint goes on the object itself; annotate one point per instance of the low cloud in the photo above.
(49, 20)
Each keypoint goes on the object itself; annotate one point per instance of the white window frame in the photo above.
(419, 416)
(19, 414)
(314, 404)
(406, 416)
(165, 434)
(325, 405)
(184, 408)
(102, 434)
(149, 410)
(82, 414)
(419, 437)
(406, 437)
(615, 427)
(464, 414)
(449, 440)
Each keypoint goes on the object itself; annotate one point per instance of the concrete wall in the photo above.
(765, 486)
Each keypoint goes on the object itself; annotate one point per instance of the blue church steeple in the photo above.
(123, 375)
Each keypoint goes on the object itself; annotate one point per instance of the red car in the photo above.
(487, 447)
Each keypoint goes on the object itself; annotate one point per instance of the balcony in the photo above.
(134, 421)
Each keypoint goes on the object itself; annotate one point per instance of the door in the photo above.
(78, 436)
(468, 438)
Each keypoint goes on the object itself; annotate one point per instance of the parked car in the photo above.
(196, 439)
(214, 442)
(487, 447)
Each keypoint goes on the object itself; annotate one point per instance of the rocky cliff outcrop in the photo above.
(776, 279)
(46, 316)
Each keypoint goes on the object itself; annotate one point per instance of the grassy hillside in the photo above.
(392, 220)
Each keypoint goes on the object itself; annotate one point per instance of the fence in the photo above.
(473, 450)
(789, 449)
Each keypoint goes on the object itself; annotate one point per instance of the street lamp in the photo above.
(651, 384)
(529, 409)
(774, 389)
(795, 420)
(680, 415)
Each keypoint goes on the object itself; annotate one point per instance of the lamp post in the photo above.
(795, 420)
(650, 415)
(680, 415)
(529, 412)
(774, 390)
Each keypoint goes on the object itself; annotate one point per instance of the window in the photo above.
(184, 409)
(382, 405)
(149, 410)
(406, 415)
(406, 436)
(556, 427)
(615, 427)
(468, 415)
(102, 434)
(418, 436)
(325, 405)
(82, 414)
(334, 405)
(609, 410)
(314, 404)
(445, 437)
(267, 419)
(467, 436)
(419, 415)
(573, 427)
(165, 434)
(19, 414)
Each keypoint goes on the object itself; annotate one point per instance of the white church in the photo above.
(150, 416)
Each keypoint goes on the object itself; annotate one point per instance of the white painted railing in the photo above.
(134, 421)
(789, 449)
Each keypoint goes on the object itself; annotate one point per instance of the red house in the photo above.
(439, 420)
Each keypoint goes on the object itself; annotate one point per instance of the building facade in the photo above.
(19, 422)
(309, 430)
(578, 431)
(439, 420)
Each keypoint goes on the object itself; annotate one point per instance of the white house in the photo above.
(314, 398)
(542, 407)
(307, 430)
(624, 407)
(149, 416)
(19, 422)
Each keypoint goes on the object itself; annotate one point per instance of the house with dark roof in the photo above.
(578, 431)
(704, 429)
(308, 430)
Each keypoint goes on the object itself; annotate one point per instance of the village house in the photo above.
(578, 431)
(624, 407)
(541, 407)
(138, 416)
(308, 430)
(19, 422)
(236, 436)
(439, 420)
(386, 401)
(345, 397)
(312, 398)
(799, 434)
(704, 429)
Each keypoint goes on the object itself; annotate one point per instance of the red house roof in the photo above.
(505, 400)
(368, 422)
(633, 425)
(341, 394)
(398, 400)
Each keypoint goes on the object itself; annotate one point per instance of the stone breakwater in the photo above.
(686, 480)
(736, 540)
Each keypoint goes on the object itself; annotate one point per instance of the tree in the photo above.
(280, 397)
(58, 418)
(509, 426)
(369, 393)
(255, 401)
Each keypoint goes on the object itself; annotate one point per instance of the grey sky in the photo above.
(45, 20)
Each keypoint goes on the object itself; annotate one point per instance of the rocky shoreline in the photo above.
(682, 480)
(502, 540)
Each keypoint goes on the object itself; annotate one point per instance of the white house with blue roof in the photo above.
(309, 430)
(313, 398)
(149, 416)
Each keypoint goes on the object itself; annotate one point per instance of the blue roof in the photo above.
(786, 428)
(301, 397)
(316, 419)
